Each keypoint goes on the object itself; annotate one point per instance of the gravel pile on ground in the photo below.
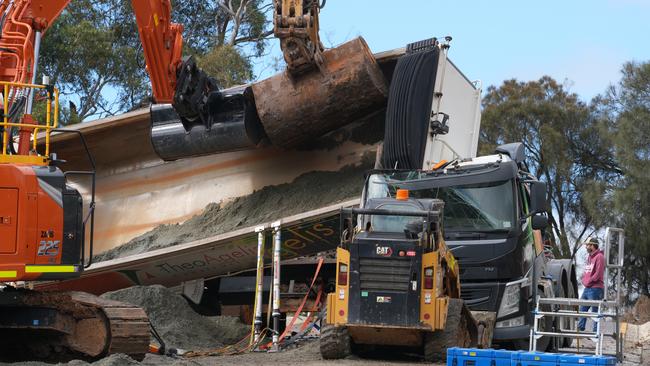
(177, 323)
(112, 360)
(115, 360)
(307, 192)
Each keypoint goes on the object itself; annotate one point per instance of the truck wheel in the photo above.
(455, 334)
(546, 325)
(559, 322)
(334, 342)
(567, 342)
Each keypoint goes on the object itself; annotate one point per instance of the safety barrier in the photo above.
(14, 99)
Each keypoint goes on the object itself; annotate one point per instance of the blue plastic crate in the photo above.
(477, 357)
(535, 359)
(579, 360)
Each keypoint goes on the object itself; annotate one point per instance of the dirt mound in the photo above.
(112, 360)
(116, 360)
(307, 192)
(640, 313)
(176, 322)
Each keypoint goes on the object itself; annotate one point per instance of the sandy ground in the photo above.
(181, 327)
(307, 353)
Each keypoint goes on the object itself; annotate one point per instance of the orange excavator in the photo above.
(43, 220)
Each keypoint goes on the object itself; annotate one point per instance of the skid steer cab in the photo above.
(397, 284)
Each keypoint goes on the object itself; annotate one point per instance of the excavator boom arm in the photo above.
(162, 42)
(161, 39)
(22, 23)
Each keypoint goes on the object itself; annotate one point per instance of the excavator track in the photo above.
(128, 325)
(44, 324)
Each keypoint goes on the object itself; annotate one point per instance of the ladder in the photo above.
(567, 308)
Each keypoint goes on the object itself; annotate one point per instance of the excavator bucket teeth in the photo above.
(230, 126)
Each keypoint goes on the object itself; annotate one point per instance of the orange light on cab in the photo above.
(402, 194)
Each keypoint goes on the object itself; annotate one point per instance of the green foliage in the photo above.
(595, 158)
(561, 141)
(89, 53)
(624, 200)
(67, 115)
(243, 21)
(227, 66)
(93, 52)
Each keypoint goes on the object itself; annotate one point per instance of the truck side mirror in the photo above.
(539, 222)
(537, 198)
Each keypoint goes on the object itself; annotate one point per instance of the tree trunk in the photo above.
(237, 19)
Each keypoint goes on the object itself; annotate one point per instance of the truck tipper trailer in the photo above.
(137, 191)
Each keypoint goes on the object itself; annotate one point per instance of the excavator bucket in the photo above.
(350, 84)
(231, 126)
(284, 110)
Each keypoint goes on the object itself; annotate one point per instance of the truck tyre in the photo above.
(546, 325)
(455, 334)
(334, 342)
(567, 342)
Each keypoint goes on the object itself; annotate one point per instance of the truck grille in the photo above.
(384, 274)
(475, 296)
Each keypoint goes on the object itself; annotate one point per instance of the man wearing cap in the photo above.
(592, 278)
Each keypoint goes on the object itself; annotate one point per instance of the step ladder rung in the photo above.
(576, 314)
(575, 302)
(572, 335)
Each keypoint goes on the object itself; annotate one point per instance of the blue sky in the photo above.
(583, 42)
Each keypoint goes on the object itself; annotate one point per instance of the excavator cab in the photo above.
(39, 208)
(397, 284)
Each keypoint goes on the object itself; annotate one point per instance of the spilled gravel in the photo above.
(177, 323)
(307, 192)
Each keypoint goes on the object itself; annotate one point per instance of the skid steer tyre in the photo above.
(334, 342)
(455, 334)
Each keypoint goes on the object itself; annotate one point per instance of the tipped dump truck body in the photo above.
(137, 191)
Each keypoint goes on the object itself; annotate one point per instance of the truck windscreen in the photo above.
(474, 207)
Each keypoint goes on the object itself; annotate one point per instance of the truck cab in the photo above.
(493, 220)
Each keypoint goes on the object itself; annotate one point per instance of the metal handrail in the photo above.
(50, 122)
(91, 206)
